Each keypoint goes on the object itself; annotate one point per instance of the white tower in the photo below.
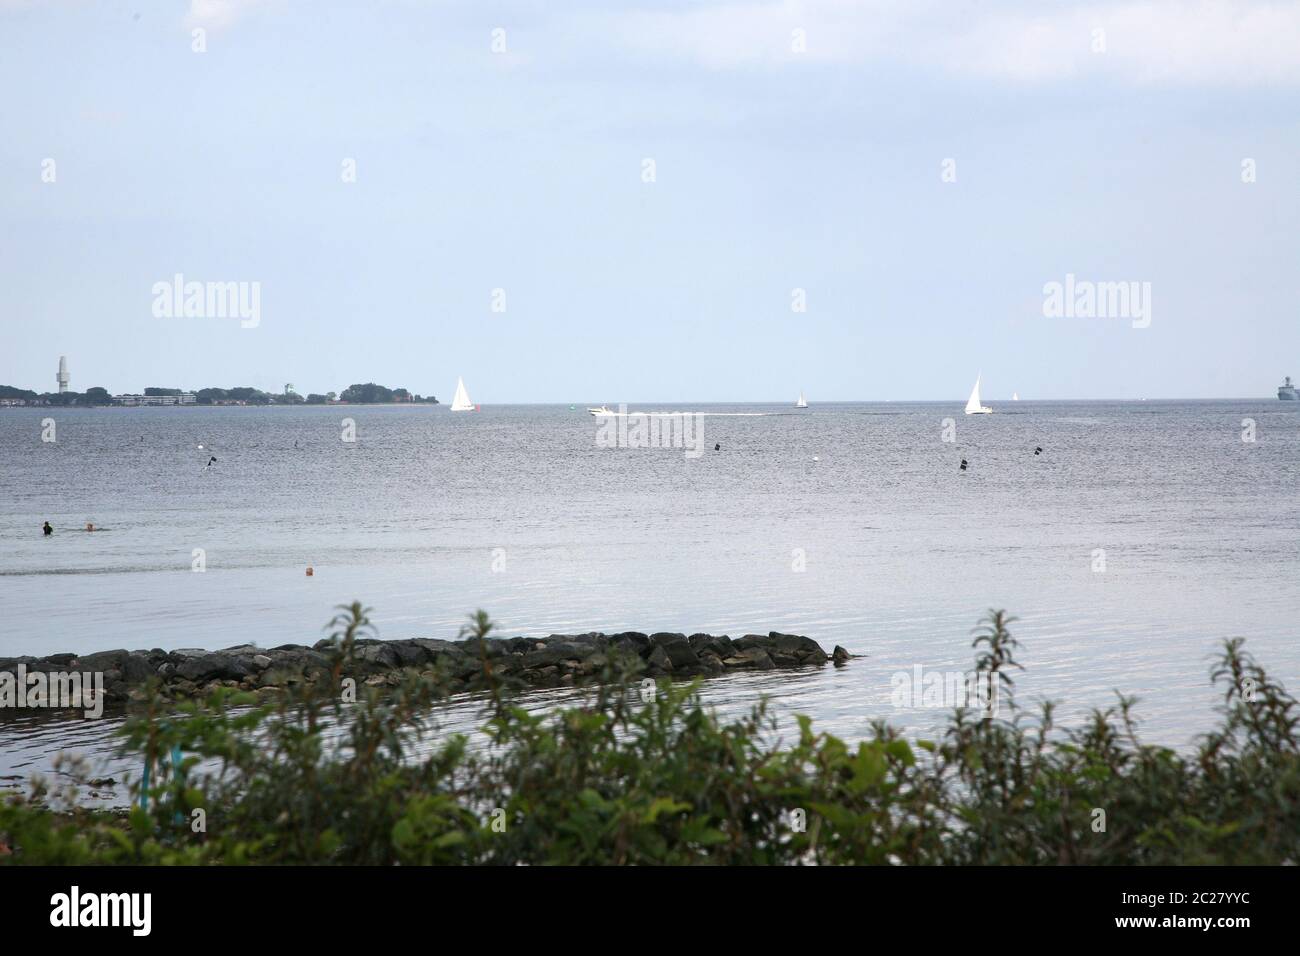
(62, 377)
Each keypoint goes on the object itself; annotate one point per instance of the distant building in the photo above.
(62, 378)
(184, 398)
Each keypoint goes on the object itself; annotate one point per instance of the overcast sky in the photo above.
(795, 146)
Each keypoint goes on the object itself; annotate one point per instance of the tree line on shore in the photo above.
(92, 396)
(357, 394)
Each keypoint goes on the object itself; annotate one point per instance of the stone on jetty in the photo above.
(542, 662)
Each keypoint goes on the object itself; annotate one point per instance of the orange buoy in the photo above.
(310, 572)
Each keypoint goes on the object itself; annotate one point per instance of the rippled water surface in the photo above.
(901, 551)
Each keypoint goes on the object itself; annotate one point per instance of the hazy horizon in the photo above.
(916, 174)
(631, 403)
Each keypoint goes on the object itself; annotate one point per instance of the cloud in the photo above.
(1174, 42)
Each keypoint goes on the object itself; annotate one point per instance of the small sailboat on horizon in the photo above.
(460, 401)
(802, 402)
(973, 406)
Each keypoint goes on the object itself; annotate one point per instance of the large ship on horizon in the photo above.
(1287, 392)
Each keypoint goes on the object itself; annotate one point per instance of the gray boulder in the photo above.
(633, 641)
(102, 661)
(721, 646)
(751, 657)
(215, 667)
(658, 661)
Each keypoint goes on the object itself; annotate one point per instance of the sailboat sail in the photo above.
(973, 406)
(460, 402)
(803, 402)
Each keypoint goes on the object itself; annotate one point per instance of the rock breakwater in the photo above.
(542, 662)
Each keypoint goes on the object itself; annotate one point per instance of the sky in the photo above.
(635, 201)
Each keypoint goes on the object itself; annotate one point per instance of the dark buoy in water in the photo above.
(717, 446)
(211, 461)
(963, 464)
(1038, 450)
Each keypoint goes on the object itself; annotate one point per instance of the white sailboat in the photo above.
(460, 402)
(973, 406)
(1015, 396)
(803, 402)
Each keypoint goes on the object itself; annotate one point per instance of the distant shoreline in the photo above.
(100, 408)
(367, 393)
(1265, 399)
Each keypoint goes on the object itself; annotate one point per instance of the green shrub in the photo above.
(312, 779)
